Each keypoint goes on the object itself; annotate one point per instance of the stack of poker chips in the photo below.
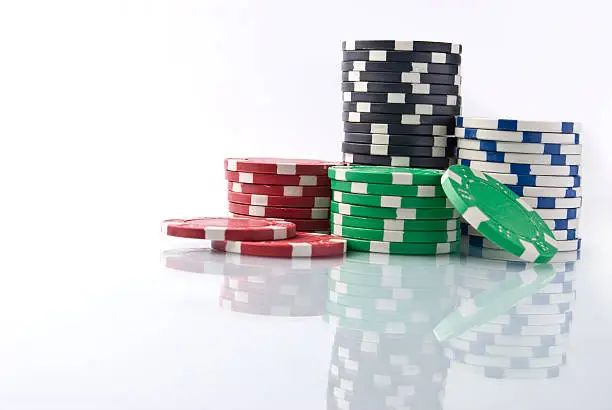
(393, 210)
(400, 102)
(295, 190)
(384, 354)
(526, 341)
(540, 161)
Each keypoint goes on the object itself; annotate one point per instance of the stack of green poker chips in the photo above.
(393, 210)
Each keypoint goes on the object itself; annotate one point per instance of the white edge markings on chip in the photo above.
(378, 246)
(232, 165)
(280, 232)
(233, 246)
(401, 178)
(301, 250)
(286, 169)
(215, 233)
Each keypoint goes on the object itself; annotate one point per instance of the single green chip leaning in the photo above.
(419, 191)
(393, 213)
(387, 201)
(395, 224)
(396, 236)
(386, 175)
(499, 214)
(400, 248)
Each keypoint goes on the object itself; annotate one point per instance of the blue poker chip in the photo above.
(517, 136)
(518, 125)
(527, 148)
(521, 169)
(537, 180)
(482, 242)
(531, 191)
(518, 158)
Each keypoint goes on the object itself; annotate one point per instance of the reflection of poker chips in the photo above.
(528, 340)
(266, 310)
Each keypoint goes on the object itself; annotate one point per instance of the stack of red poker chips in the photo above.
(295, 190)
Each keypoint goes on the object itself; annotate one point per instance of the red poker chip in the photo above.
(303, 245)
(279, 166)
(271, 179)
(277, 212)
(304, 225)
(280, 190)
(281, 201)
(234, 229)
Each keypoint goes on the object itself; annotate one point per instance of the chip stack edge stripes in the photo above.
(400, 102)
(392, 210)
(294, 190)
(538, 160)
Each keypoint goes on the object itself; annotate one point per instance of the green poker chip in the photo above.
(386, 175)
(496, 301)
(396, 236)
(499, 214)
(400, 248)
(393, 213)
(395, 224)
(386, 201)
(420, 191)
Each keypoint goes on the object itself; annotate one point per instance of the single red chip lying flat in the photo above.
(277, 212)
(303, 245)
(279, 166)
(235, 229)
(280, 190)
(282, 201)
(272, 179)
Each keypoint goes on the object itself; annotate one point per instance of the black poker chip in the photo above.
(422, 109)
(398, 129)
(395, 161)
(401, 77)
(401, 98)
(396, 150)
(368, 87)
(400, 139)
(432, 68)
(406, 119)
(398, 45)
(401, 56)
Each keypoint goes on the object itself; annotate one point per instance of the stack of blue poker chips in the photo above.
(540, 161)
(528, 340)
(383, 308)
(400, 102)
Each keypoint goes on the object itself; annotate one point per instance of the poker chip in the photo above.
(518, 158)
(238, 229)
(275, 179)
(569, 213)
(393, 213)
(518, 125)
(531, 191)
(553, 203)
(521, 169)
(562, 246)
(379, 149)
(396, 161)
(279, 201)
(517, 136)
(401, 56)
(278, 212)
(499, 214)
(420, 109)
(429, 46)
(399, 139)
(387, 201)
(419, 191)
(562, 224)
(400, 77)
(432, 68)
(519, 147)
(395, 224)
(507, 256)
(395, 236)
(309, 245)
(537, 180)
(396, 128)
(404, 88)
(386, 175)
(279, 166)
(401, 98)
(402, 248)
(280, 190)
(560, 235)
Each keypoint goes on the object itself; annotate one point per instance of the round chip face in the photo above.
(499, 214)
(281, 201)
(303, 245)
(236, 229)
(517, 125)
(386, 175)
(275, 179)
(279, 166)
